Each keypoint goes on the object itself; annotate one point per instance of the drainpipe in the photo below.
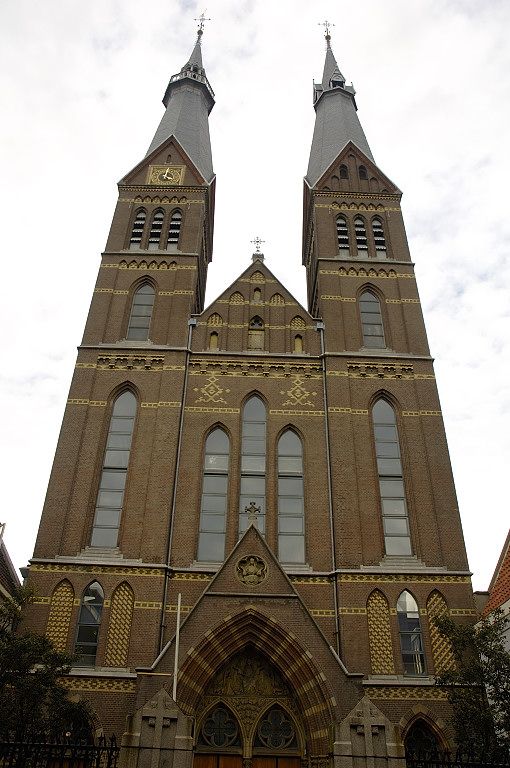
(162, 624)
(320, 327)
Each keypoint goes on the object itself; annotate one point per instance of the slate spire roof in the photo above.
(189, 99)
(336, 121)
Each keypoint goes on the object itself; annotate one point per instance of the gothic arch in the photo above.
(299, 734)
(59, 618)
(243, 737)
(442, 655)
(119, 626)
(379, 634)
(295, 665)
(422, 714)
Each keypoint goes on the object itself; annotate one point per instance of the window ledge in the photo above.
(121, 672)
(422, 680)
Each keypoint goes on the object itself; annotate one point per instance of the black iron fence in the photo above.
(499, 758)
(66, 753)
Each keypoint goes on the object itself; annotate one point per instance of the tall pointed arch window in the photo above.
(138, 227)
(174, 229)
(156, 229)
(361, 237)
(114, 473)
(409, 627)
(291, 499)
(344, 172)
(89, 622)
(371, 321)
(379, 239)
(141, 313)
(395, 519)
(253, 463)
(256, 333)
(213, 514)
(342, 234)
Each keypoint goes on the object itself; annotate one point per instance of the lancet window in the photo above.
(256, 333)
(89, 622)
(409, 627)
(391, 482)
(291, 502)
(371, 321)
(141, 313)
(174, 229)
(379, 239)
(138, 227)
(361, 237)
(253, 464)
(342, 234)
(155, 231)
(112, 485)
(213, 514)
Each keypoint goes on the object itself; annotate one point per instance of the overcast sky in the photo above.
(81, 87)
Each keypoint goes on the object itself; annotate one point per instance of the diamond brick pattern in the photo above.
(59, 618)
(119, 630)
(441, 649)
(379, 633)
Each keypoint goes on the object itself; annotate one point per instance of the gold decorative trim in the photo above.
(462, 612)
(310, 579)
(287, 412)
(150, 266)
(161, 200)
(200, 409)
(355, 411)
(407, 692)
(381, 274)
(129, 363)
(111, 290)
(254, 304)
(267, 327)
(176, 293)
(258, 282)
(148, 604)
(322, 611)
(402, 301)
(106, 685)
(161, 404)
(352, 611)
(403, 577)
(330, 297)
(421, 413)
(113, 570)
(187, 576)
(370, 208)
(41, 600)
(83, 401)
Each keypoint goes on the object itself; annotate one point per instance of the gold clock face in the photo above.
(170, 175)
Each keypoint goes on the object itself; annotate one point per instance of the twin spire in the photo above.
(189, 99)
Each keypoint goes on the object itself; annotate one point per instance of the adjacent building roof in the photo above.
(9, 580)
(336, 121)
(499, 588)
(189, 99)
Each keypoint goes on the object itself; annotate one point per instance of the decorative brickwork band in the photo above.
(119, 629)
(441, 649)
(59, 618)
(379, 634)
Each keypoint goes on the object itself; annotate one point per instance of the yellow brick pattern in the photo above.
(441, 649)
(119, 629)
(379, 634)
(59, 618)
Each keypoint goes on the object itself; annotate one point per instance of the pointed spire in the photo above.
(336, 121)
(187, 110)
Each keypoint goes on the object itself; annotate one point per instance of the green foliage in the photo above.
(478, 686)
(33, 701)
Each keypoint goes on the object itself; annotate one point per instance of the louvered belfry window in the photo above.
(174, 229)
(361, 237)
(342, 234)
(156, 229)
(379, 239)
(137, 231)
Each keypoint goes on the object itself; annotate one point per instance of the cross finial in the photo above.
(201, 19)
(257, 242)
(253, 512)
(327, 26)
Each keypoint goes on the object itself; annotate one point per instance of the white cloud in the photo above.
(82, 89)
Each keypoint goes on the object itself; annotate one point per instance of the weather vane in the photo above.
(201, 19)
(257, 242)
(327, 25)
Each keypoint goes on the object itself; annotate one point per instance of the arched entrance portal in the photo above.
(248, 713)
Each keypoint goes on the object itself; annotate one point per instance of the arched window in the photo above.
(141, 313)
(342, 234)
(363, 172)
(371, 321)
(344, 172)
(391, 482)
(256, 333)
(138, 227)
(155, 231)
(409, 629)
(253, 463)
(275, 731)
(213, 340)
(257, 296)
(291, 499)
(89, 622)
(219, 730)
(421, 742)
(174, 230)
(298, 343)
(113, 476)
(213, 514)
(379, 239)
(361, 237)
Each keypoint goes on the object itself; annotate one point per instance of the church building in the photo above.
(251, 519)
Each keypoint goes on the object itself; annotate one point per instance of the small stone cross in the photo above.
(202, 19)
(257, 242)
